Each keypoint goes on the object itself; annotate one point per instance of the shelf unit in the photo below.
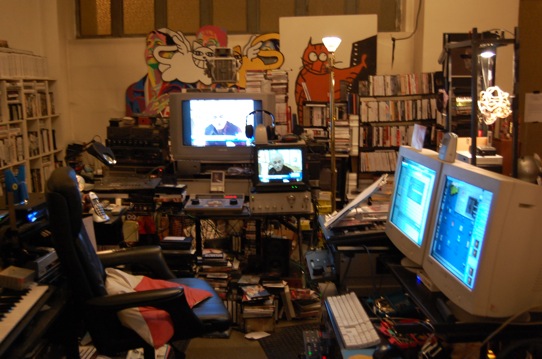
(27, 128)
(396, 103)
(461, 47)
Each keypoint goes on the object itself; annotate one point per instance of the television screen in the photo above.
(415, 179)
(280, 167)
(210, 127)
(485, 243)
(218, 122)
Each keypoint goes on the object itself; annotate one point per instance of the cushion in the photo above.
(152, 324)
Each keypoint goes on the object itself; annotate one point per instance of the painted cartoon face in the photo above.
(315, 58)
(154, 39)
(200, 53)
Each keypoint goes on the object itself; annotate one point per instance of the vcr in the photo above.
(134, 146)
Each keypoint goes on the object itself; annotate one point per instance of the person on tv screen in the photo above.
(220, 126)
(277, 165)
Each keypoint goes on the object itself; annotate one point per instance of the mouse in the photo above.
(385, 351)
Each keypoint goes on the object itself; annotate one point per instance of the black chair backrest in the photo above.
(77, 256)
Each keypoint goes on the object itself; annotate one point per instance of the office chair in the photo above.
(84, 270)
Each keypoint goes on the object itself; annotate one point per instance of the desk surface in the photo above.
(453, 330)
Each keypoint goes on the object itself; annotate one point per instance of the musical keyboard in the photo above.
(17, 308)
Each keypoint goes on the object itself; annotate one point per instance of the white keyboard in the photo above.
(351, 321)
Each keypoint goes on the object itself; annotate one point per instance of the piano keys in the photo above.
(17, 308)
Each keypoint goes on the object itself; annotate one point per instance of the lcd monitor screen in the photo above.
(280, 167)
(460, 228)
(412, 199)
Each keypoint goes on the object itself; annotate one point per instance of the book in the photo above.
(254, 292)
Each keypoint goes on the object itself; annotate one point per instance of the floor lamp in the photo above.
(332, 43)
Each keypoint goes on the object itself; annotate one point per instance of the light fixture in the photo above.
(102, 153)
(332, 43)
(487, 52)
(493, 104)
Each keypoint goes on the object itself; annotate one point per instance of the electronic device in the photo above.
(281, 202)
(484, 249)
(98, 211)
(311, 343)
(350, 322)
(215, 203)
(411, 205)
(218, 179)
(448, 147)
(269, 130)
(139, 146)
(193, 112)
(280, 168)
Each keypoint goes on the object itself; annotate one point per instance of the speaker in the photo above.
(249, 129)
(276, 253)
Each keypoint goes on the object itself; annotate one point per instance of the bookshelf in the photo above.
(27, 128)
(388, 112)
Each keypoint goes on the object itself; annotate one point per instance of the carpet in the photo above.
(286, 342)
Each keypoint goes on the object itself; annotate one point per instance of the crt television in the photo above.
(485, 245)
(280, 167)
(193, 115)
(411, 205)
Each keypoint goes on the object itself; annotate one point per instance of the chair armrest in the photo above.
(171, 300)
(148, 298)
(150, 257)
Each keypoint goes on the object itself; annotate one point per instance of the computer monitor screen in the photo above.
(485, 242)
(415, 180)
(280, 167)
(211, 126)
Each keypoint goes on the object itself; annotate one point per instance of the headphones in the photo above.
(249, 129)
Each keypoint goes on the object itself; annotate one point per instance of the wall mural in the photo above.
(305, 55)
(313, 79)
(175, 63)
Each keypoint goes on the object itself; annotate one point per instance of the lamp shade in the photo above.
(104, 154)
(331, 43)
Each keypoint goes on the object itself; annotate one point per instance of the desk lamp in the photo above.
(332, 43)
(101, 152)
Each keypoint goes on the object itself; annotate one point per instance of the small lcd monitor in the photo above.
(280, 168)
(411, 205)
(485, 245)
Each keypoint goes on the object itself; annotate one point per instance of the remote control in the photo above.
(311, 340)
(98, 213)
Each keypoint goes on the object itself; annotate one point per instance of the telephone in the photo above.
(98, 211)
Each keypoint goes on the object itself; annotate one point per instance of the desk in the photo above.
(452, 330)
(246, 215)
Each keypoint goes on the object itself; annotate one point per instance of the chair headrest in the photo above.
(64, 183)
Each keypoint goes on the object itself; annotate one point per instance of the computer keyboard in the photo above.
(351, 322)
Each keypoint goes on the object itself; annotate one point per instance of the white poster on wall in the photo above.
(306, 58)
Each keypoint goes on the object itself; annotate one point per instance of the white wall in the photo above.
(93, 74)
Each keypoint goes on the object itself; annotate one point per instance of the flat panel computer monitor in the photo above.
(484, 251)
(210, 127)
(280, 168)
(415, 183)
